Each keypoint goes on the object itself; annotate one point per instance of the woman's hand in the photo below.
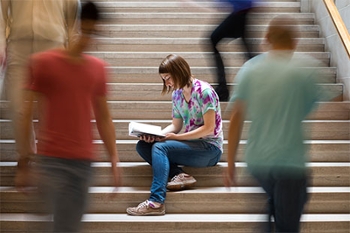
(148, 138)
(229, 176)
(171, 136)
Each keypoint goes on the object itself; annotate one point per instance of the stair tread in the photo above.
(218, 190)
(175, 4)
(130, 141)
(219, 164)
(179, 218)
(159, 121)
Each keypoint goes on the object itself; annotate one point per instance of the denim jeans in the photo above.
(63, 186)
(164, 157)
(287, 195)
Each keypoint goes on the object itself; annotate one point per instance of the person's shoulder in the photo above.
(304, 60)
(252, 63)
(201, 85)
(256, 59)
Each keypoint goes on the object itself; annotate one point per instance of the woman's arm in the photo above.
(204, 130)
(174, 127)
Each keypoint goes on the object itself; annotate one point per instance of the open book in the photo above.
(137, 129)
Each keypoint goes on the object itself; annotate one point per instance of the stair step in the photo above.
(315, 130)
(319, 151)
(139, 174)
(188, 223)
(110, 200)
(161, 110)
(150, 91)
(147, 74)
(199, 61)
(178, 6)
(190, 44)
(210, 17)
(187, 30)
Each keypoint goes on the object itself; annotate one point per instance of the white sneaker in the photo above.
(181, 181)
(146, 208)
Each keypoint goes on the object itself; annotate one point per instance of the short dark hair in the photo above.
(283, 30)
(89, 11)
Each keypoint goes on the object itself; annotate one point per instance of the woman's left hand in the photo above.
(170, 136)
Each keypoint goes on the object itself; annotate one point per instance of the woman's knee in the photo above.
(144, 149)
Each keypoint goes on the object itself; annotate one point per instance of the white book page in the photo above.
(136, 129)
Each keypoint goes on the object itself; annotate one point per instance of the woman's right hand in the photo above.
(148, 138)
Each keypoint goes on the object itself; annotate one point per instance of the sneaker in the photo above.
(180, 182)
(146, 208)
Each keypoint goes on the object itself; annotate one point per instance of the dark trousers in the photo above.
(287, 195)
(63, 186)
(232, 27)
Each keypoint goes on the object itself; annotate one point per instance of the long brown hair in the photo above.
(178, 69)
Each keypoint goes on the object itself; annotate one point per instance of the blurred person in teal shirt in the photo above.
(276, 91)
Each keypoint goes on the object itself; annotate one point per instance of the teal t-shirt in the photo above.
(279, 91)
(203, 98)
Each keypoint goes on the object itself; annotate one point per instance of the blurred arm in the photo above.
(107, 132)
(234, 135)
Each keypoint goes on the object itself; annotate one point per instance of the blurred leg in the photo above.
(16, 72)
(287, 195)
(224, 30)
(290, 198)
(64, 186)
(18, 53)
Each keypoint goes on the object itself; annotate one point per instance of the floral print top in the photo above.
(203, 98)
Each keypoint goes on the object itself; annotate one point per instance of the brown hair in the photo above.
(178, 69)
(282, 30)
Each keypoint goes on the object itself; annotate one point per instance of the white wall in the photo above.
(339, 57)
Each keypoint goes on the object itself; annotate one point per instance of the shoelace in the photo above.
(177, 177)
(143, 204)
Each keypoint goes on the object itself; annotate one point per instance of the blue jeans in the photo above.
(63, 186)
(287, 195)
(164, 157)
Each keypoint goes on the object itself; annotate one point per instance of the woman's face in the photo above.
(168, 80)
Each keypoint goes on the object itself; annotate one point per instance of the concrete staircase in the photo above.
(134, 39)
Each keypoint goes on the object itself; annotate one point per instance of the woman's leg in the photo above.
(195, 153)
(145, 151)
(164, 158)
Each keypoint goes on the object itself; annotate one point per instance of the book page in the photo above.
(137, 129)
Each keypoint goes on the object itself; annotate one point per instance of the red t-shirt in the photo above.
(65, 110)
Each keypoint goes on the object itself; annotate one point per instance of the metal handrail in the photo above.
(339, 24)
